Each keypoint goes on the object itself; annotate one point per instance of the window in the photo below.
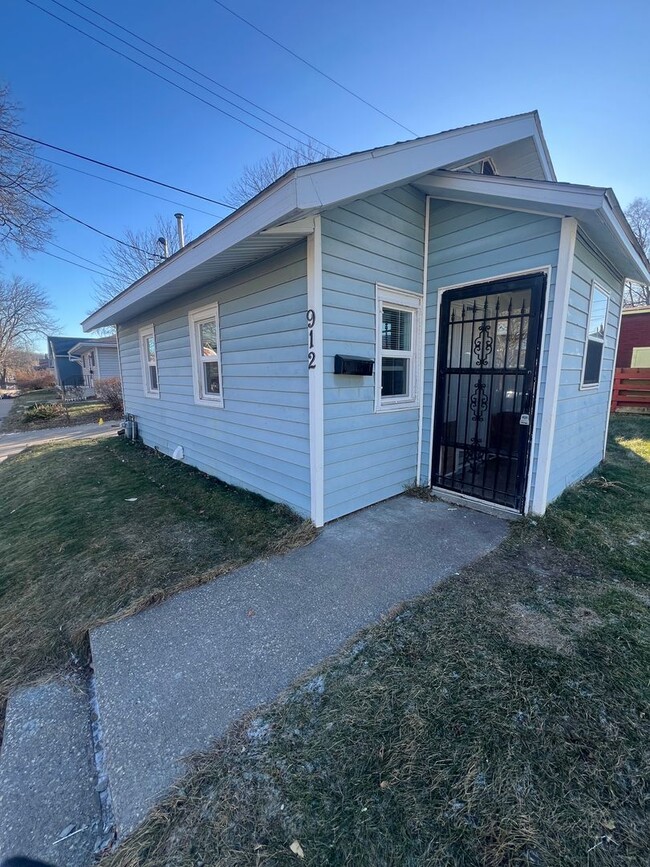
(398, 329)
(149, 361)
(595, 337)
(206, 355)
(480, 167)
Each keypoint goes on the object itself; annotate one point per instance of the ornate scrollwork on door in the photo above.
(474, 454)
(483, 345)
(478, 401)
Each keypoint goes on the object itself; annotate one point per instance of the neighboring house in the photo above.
(439, 311)
(97, 360)
(634, 339)
(67, 372)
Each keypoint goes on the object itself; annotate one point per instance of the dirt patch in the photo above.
(529, 626)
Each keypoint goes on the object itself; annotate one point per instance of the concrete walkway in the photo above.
(49, 808)
(13, 443)
(174, 677)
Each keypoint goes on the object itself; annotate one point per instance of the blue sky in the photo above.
(432, 65)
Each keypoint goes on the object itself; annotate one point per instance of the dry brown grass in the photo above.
(76, 552)
(500, 721)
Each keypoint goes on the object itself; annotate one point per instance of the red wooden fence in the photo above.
(631, 389)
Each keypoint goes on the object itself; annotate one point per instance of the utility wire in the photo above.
(70, 262)
(76, 219)
(118, 184)
(163, 77)
(202, 74)
(312, 66)
(176, 71)
(83, 258)
(114, 168)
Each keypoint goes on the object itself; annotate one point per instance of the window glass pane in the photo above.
(153, 378)
(208, 337)
(394, 377)
(150, 349)
(396, 329)
(211, 384)
(592, 363)
(597, 317)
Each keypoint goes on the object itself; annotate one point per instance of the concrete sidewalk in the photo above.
(13, 443)
(174, 677)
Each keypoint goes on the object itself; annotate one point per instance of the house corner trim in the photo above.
(315, 371)
(568, 234)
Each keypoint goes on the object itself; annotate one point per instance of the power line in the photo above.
(114, 168)
(76, 219)
(163, 77)
(171, 68)
(70, 262)
(118, 184)
(84, 259)
(312, 66)
(198, 72)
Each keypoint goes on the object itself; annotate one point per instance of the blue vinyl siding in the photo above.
(471, 243)
(108, 363)
(259, 439)
(369, 456)
(581, 418)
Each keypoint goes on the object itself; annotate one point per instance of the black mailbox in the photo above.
(353, 366)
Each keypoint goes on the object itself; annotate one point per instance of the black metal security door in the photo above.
(488, 354)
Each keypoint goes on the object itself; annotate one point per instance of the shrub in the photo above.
(109, 390)
(35, 380)
(43, 411)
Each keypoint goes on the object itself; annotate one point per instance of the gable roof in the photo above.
(60, 346)
(283, 213)
(85, 344)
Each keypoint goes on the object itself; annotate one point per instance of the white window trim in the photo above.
(594, 386)
(144, 332)
(411, 302)
(479, 160)
(194, 317)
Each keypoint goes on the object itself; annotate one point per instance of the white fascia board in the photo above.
(87, 345)
(614, 217)
(261, 213)
(337, 181)
(512, 192)
(312, 188)
(590, 204)
(542, 149)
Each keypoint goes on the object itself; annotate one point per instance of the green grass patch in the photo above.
(94, 528)
(501, 720)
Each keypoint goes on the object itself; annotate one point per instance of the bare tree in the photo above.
(127, 264)
(25, 315)
(258, 176)
(24, 181)
(638, 216)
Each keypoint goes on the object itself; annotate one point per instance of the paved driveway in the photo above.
(175, 676)
(5, 409)
(13, 443)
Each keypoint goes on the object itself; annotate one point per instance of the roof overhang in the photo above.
(631, 311)
(596, 209)
(281, 215)
(89, 345)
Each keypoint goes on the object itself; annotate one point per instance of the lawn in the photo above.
(70, 414)
(501, 720)
(94, 528)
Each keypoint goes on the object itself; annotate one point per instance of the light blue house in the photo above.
(95, 360)
(440, 311)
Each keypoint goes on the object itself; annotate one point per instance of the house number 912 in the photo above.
(311, 357)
